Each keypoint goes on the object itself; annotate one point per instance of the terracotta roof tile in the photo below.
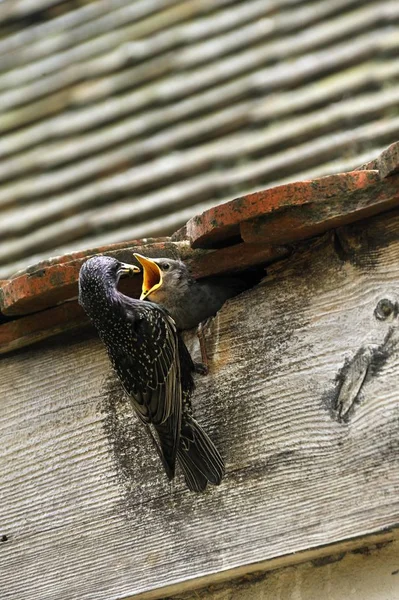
(52, 282)
(228, 221)
(248, 231)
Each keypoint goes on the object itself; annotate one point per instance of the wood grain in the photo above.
(84, 504)
(367, 573)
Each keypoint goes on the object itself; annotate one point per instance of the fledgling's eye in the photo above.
(165, 266)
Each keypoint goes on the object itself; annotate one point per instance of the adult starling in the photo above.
(155, 369)
(168, 283)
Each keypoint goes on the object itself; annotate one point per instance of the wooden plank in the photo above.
(33, 328)
(368, 573)
(84, 505)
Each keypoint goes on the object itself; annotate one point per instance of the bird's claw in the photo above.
(201, 368)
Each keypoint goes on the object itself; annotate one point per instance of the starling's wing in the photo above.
(149, 368)
(149, 365)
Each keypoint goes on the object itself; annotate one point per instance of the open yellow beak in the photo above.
(126, 269)
(152, 275)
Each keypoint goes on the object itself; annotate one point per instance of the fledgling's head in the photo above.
(100, 274)
(162, 277)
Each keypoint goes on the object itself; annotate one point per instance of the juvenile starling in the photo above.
(155, 368)
(190, 302)
(168, 282)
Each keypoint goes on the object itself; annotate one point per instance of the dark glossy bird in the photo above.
(168, 282)
(155, 368)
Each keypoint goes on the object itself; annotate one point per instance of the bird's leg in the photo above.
(202, 368)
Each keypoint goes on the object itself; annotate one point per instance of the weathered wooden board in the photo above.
(367, 574)
(302, 399)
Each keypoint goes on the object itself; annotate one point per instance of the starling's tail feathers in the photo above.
(198, 457)
(195, 480)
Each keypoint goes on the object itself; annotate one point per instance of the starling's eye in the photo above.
(165, 266)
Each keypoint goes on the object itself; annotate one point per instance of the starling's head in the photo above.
(162, 276)
(100, 274)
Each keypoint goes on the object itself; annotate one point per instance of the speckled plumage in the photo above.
(155, 369)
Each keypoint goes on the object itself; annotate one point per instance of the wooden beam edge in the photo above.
(384, 536)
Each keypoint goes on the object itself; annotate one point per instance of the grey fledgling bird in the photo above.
(168, 282)
(155, 368)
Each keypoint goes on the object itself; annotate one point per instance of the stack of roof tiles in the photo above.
(121, 119)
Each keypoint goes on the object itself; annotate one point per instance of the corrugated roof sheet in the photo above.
(122, 119)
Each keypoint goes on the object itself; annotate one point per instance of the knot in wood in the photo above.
(385, 308)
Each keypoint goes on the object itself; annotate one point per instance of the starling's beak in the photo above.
(152, 275)
(126, 269)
